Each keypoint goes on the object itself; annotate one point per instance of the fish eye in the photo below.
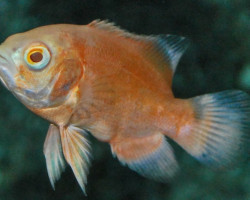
(37, 57)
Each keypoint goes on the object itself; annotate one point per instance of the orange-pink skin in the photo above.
(119, 92)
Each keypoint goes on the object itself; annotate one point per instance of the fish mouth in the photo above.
(34, 98)
(6, 74)
(29, 97)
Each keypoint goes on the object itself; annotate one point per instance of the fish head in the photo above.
(42, 66)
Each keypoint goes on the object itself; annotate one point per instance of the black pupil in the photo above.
(36, 57)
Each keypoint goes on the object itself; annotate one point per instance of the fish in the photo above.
(102, 80)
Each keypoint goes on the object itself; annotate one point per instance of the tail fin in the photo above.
(220, 130)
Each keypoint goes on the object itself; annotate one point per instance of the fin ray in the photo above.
(161, 48)
(53, 154)
(76, 150)
(150, 156)
(220, 131)
(172, 47)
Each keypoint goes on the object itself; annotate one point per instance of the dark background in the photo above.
(217, 59)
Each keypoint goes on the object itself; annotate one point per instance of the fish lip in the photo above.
(7, 71)
(5, 76)
(3, 58)
(4, 83)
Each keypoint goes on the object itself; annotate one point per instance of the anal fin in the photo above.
(150, 156)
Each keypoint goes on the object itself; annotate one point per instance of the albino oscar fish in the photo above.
(100, 79)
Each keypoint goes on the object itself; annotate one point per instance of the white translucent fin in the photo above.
(76, 151)
(163, 48)
(53, 154)
(220, 132)
(150, 156)
(172, 47)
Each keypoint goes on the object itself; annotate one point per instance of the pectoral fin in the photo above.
(150, 156)
(76, 150)
(53, 154)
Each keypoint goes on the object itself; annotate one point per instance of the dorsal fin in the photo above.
(166, 48)
(172, 47)
(112, 27)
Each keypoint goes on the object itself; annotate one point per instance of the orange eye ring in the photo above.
(37, 57)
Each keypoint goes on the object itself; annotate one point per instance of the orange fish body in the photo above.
(117, 86)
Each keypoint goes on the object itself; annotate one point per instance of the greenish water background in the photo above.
(217, 59)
